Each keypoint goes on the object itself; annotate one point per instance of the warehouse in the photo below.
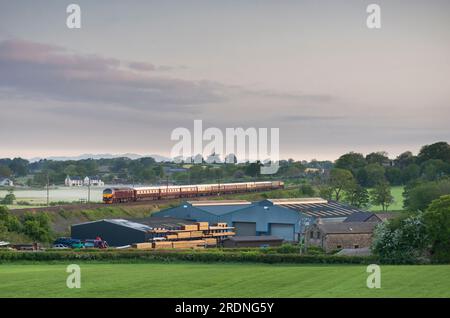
(285, 218)
(119, 232)
(253, 241)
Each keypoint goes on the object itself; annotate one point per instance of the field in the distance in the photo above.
(222, 280)
(397, 192)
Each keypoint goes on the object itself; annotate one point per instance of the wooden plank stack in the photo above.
(198, 235)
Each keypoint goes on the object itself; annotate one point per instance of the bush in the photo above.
(38, 227)
(437, 220)
(191, 256)
(402, 240)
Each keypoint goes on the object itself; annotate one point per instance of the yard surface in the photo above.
(222, 280)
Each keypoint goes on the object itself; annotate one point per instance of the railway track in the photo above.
(87, 206)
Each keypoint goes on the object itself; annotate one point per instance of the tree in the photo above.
(380, 157)
(326, 192)
(434, 169)
(19, 167)
(419, 195)
(340, 180)
(437, 221)
(375, 174)
(401, 240)
(438, 150)
(358, 197)
(307, 190)
(38, 227)
(381, 195)
(253, 169)
(5, 172)
(394, 175)
(8, 199)
(351, 161)
(404, 159)
(9, 221)
(411, 172)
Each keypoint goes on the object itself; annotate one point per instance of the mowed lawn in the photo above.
(222, 280)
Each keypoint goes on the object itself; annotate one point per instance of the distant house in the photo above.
(93, 181)
(79, 182)
(342, 235)
(73, 181)
(5, 182)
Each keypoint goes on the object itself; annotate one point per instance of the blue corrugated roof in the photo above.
(222, 209)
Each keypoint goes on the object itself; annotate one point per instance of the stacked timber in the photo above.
(143, 246)
(203, 226)
(198, 235)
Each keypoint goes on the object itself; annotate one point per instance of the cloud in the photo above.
(38, 70)
(148, 67)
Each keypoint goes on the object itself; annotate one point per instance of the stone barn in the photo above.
(343, 235)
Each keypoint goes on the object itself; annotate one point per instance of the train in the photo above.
(128, 194)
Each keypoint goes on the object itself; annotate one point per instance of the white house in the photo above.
(5, 182)
(79, 182)
(93, 181)
(73, 182)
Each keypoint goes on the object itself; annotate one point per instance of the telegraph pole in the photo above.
(89, 191)
(48, 192)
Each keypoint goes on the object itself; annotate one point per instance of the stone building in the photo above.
(342, 235)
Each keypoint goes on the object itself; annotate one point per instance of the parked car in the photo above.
(97, 243)
(60, 246)
(69, 242)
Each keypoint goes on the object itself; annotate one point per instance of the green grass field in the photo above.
(398, 200)
(222, 280)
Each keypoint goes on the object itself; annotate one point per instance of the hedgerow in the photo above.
(192, 256)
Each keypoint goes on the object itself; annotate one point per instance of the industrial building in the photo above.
(284, 218)
(253, 241)
(119, 232)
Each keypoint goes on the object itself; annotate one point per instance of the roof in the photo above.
(217, 202)
(297, 201)
(220, 207)
(121, 222)
(261, 238)
(347, 227)
(318, 208)
(163, 222)
(359, 217)
(386, 215)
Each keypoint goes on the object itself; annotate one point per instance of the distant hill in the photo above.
(133, 156)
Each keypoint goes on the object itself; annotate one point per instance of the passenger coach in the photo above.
(121, 195)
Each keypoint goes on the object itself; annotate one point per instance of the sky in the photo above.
(137, 70)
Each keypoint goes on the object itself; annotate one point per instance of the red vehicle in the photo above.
(121, 195)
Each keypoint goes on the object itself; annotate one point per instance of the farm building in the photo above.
(285, 218)
(253, 241)
(119, 232)
(369, 217)
(342, 235)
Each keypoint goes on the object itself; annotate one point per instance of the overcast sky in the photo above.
(136, 70)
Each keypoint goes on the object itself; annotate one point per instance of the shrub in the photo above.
(402, 240)
(437, 220)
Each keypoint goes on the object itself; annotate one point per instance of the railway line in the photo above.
(88, 206)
